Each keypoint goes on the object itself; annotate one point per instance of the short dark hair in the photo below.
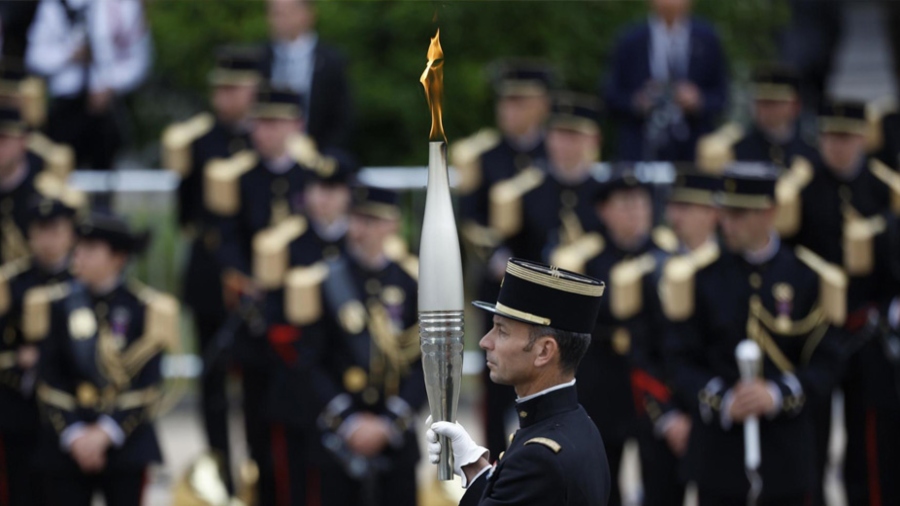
(572, 345)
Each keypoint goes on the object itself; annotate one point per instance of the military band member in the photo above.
(100, 377)
(842, 212)
(358, 318)
(543, 320)
(759, 289)
(51, 235)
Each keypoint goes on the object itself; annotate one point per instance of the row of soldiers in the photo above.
(797, 251)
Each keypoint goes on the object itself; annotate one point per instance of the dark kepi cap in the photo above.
(540, 294)
(775, 82)
(623, 177)
(11, 122)
(376, 202)
(843, 117)
(45, 209)
(523, 78)
(112, 230)
(334, 166)
(236, 66)
(748, 185)
(576, 111)
(272, 103)
(695, 187)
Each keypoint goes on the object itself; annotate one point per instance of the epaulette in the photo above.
(574, 256)
(395, 248)
(506, 201)
(410, 266)
(178, 138)
(626, 285)
(36, 309)
(222, 191)
(8, 271)
(59, 159)
(549, 443)
(161, 322)
(890, 178)
(49, 185)
(665, 239)
(465, 156)
(302, 148)
(787, 194)
(859, 243)
(33, 100)
(677, 285)
(271, 252)
(716, 150)
(875, 114)
(303, 295)
(832, 285)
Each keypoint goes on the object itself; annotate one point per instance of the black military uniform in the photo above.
(605, 374)
(557, 455)
(188, 147)
(717, 299)
(848, 223)
(101, 366)
(20, 423)
(359, 349)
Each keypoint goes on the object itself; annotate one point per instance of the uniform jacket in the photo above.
(14, 213)
(755, 146)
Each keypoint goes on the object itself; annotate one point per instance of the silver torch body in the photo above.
(441, 300)
(749, 360)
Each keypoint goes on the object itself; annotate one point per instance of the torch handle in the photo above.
(445, 464)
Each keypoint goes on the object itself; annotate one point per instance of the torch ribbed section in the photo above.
(441, 334)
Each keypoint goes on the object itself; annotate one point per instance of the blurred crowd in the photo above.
(299, 282)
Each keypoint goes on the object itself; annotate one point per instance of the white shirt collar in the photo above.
(303, 44)
(764, 255)
(546, 391)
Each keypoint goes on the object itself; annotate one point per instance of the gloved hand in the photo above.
(464, 449)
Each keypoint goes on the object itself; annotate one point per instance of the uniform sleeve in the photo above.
(533, 478)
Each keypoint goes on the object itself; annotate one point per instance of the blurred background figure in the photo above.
(15, 18)
(667, 85)
(92, 53)
(18, 174)
(295, 59)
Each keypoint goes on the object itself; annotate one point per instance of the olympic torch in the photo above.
(440, 271)
(749, 359)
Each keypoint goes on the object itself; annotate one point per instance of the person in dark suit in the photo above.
(787, 301)
(51, 235)
(297, 60)
(667, 84)
(543, 320)
(100, 378)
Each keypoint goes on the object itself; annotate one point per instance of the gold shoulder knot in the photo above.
(36, 309)
(59, 159)
(575, 256)
(626, 285)
(506, 201)
(787, 195)
(302, 293)
(465, 156)
(891, 179)
(177, 140)
(715, 151)
(222, 191)
(549, 443)
(271, 252)
(676, 290)
(665, 239)
(832, 285)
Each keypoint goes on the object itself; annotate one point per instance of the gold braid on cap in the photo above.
(557, 280)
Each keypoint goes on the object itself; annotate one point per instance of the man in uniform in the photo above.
(249, 192)
(51, 235)
(543, 320)
(842, 212)
(360, 351)
(187, 149)
(758, 289)
(522, 105)
(100, 377)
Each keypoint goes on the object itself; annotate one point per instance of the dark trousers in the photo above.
(254, 382)
(821, 415)
(214, 394)
(659, 470)
(614, 451)
(96, 138)
(298, 480)
(394, 487)
(20, 483)
(119, 488)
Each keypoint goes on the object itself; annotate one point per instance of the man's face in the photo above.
(288, 19)
(94, 262)
(691, 222)
(519, 115)
(842, 152)
(505, 345)
(326, 203)
(12, 151)
(232, 103)
(671, 9)
(367, 234)
(627, 214)
(270, 136)
(743, 228)
(571, 149)
(776, 114)
(51, 241)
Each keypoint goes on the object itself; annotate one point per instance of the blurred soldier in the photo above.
(522, 105)
(841, 211)
(885, 143)
(51, 235)
(624, 253)
(664, 420)
(668, 84)
(100, 375)
(18, 179)
(359, 313)
(188, 148)
(758, 289)
(280, 253)
(775, 134)
(250, 192)
(296, 60)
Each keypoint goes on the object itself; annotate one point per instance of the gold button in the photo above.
(373, 287)
(370, 396)
(501, 455)
(523, 414)
(569, 198)
(280, 186)
(755, 281)
(101, 309)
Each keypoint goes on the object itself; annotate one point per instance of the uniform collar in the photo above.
(542, 405)
(766, 254)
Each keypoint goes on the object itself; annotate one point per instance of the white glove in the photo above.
(464, 449)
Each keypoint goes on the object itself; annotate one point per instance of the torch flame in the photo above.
(433, 81)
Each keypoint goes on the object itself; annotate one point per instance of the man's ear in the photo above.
(547, 351)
